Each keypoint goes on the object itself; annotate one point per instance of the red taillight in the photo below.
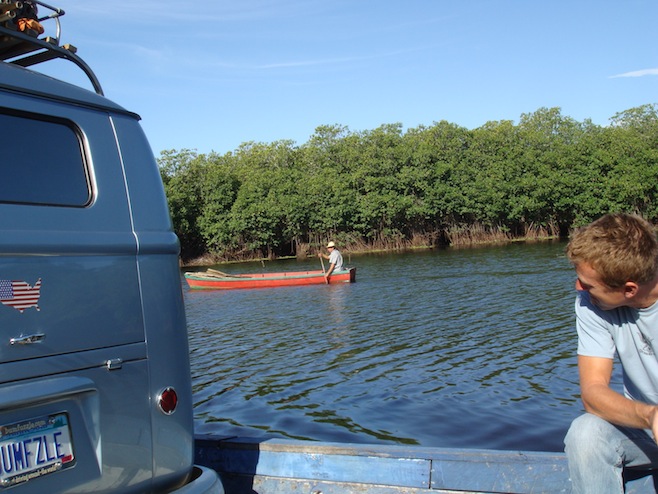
(167, 401)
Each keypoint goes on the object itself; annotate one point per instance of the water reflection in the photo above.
(468, 348)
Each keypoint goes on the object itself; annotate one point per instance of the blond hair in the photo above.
(620, 248)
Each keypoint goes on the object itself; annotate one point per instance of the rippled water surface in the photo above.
(470, 348)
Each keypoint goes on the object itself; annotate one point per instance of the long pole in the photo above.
(324, 271)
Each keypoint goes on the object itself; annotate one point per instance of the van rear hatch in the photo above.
(75, 405)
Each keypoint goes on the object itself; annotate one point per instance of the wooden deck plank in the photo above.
(273, 466)
(314, 463)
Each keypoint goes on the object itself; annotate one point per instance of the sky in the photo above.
(212, 75)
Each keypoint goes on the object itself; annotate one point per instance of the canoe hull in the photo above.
(206, 281)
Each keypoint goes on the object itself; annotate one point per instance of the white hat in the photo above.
(331, 244)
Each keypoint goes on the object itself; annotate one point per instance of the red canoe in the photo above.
(216, 280)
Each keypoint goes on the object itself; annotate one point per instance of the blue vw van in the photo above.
(95, 388)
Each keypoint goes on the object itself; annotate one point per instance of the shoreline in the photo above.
(211, 260)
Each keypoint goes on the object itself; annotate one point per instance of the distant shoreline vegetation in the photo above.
(385, 189)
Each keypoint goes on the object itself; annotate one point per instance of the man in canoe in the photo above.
(616, 262)
(335, 259)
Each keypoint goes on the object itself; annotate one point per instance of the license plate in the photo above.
(34, 448)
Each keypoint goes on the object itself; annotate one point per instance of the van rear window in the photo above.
(42, 162)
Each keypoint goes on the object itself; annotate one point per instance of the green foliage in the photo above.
(183, 175)
(387, 185)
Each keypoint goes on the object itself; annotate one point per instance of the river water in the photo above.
(468, 348)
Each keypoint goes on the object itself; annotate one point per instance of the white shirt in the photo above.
(336, 258)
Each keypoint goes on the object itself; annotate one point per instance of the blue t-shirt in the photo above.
(632, 334)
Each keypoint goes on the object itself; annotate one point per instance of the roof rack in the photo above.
(25, 48)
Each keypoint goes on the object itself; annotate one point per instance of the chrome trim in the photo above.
(27, 339)
(114, 364)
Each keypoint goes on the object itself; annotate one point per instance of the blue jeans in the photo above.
(598, 451)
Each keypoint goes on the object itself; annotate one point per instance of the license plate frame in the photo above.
(35, 447)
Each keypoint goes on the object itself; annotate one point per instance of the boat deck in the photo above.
(268, 466)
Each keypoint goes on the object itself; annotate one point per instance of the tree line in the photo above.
(429, 185)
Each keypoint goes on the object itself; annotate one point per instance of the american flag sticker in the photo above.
(20, 295)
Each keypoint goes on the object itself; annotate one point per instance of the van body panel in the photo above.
(150, 211)
(158, 270)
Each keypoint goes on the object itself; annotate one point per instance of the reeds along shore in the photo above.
(456, 237)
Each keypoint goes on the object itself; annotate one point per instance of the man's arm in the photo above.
(599, 399)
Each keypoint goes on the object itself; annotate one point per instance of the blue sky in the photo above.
(211, 75)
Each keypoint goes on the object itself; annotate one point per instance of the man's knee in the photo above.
(583, 427)
(587, 432)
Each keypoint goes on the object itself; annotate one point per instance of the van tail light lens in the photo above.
(167, 401)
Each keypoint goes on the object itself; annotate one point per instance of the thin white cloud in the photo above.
(636, 73)
(333, 61)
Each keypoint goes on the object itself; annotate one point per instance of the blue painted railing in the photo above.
(269, 466)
